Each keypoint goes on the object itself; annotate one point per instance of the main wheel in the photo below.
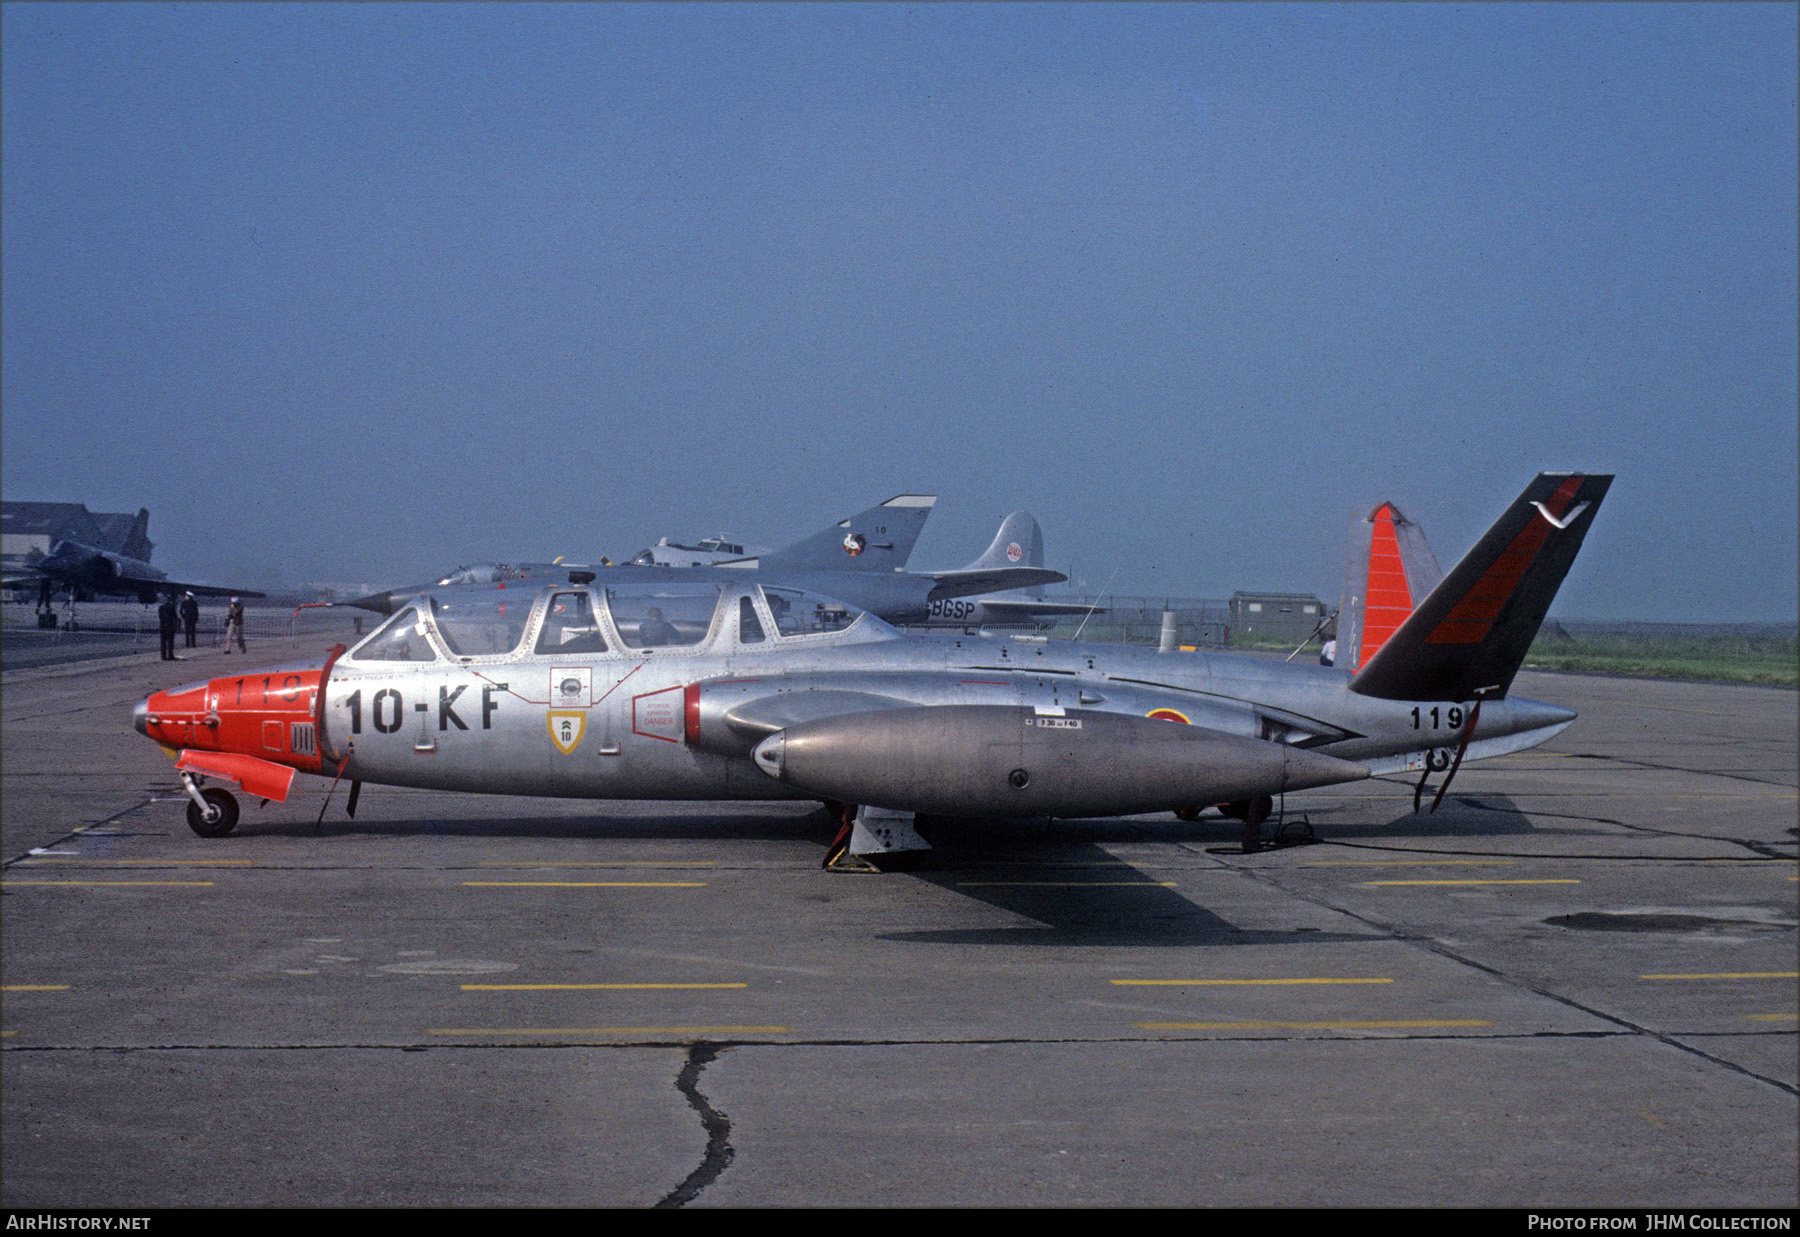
(221, 816)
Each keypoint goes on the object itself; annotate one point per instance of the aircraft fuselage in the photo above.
(668, 723)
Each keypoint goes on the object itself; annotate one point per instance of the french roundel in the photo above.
(1169, 715)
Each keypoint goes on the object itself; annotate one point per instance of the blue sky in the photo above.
(358, 292)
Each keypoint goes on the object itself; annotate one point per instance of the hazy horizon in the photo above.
(362, 292)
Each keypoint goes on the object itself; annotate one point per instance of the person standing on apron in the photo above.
(166, 622)
(234, 625)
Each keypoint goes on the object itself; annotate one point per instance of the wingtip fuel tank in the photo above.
(987, 760)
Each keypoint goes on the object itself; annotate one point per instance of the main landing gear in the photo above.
(213, 812)
(872, 839)
(1251, 811)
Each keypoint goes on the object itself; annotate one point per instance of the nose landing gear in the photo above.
(213, 812)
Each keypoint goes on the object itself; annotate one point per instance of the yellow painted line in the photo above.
(1310, 1026)
(1732, 975)
(34, 988)
(610, 1031)
(1632, 794)
(7, 1034)
(585, 884)
(1421, 863)
(556, 863)
(1475, 882)
(1185, 983)
(136, 863)
(1772, 1017)
(581, 987)
(1045, 865)
(1069, 884)
(187, 884)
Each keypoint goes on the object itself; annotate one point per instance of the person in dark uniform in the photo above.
(166, 620)
(190, 617)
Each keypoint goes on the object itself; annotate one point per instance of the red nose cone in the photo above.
(270, 716)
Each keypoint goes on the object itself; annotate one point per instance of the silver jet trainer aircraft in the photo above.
(692, 688)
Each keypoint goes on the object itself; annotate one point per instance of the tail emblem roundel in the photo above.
(853, 544)
(1013, 552)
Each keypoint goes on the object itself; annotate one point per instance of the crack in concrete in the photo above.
(1444, 951)
(719, 1151)
(81, 831)
(1750, 844)
(1651, 764)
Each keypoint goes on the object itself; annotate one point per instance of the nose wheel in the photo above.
(213, 812)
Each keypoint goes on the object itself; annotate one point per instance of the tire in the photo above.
(1188, 813)
(227, 805)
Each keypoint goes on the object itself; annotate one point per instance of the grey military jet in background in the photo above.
(878, 539)
(856, 561)
(85, 572)
(714, 683)
(1020, 542)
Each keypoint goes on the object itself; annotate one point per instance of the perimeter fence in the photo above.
(130, 625)
(1122, 619)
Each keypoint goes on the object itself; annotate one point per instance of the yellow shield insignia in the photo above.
(566, 728)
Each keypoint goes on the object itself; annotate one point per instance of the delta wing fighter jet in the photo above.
(85, 572)
(718, 685)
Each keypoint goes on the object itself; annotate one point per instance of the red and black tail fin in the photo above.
(1390, 568)
(1469, 637)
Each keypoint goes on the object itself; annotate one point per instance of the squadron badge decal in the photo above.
(566, 729)
(853, 544)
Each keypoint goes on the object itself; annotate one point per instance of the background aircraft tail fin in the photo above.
(879, 539)
(1390, 569)
(1019, 543)
(1470, 635)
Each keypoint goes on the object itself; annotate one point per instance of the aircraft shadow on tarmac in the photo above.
(1059, 875)
(671, 826)
(1055, 873)
(1459, 816)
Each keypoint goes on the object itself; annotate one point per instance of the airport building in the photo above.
(1274, 618)
(28, 530)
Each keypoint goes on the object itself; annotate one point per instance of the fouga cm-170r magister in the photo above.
(715, 690)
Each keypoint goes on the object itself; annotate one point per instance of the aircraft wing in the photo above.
(125, 586)
(199, 590)
(965, 583)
